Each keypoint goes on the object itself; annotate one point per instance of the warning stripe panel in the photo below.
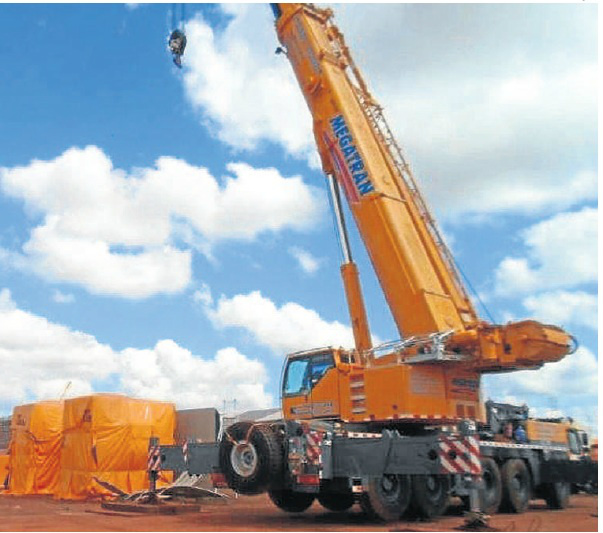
(460, 455)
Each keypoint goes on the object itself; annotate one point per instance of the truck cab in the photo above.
(310, 384)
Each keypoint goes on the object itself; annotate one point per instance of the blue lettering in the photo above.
(353, 158)
(360, 177)
(345, 140)
(365, 187)
(337, 122)
(340, 132)
(348, 151)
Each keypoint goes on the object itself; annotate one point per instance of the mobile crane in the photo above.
(392, 426)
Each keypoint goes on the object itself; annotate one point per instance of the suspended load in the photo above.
(177, 44)
(177, 39)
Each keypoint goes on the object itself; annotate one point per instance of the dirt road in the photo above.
(37, 513)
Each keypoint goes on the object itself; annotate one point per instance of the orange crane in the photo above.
(448, 346)
(393, 426)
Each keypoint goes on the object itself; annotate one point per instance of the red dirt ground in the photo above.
(39, 513)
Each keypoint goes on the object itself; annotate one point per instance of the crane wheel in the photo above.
(290, 501)
(490, 494)
(251, 457)
(557, 495)
(430, 495)
(386, 497)
(517, 486)
(336, 501)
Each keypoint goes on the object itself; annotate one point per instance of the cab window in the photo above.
(574, 443)
(303, 374)
(296, 380)
(320, 365)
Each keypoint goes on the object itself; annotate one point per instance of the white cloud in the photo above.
(307, 262)
(483, 104)
(573, 377)
(245, 93)
(568, 387)
(38, 358)
(284, 329)
(561, 253)
(52, 389)
(131, 234)
(203, 295)
(170, 372)
(564, 308)
(62, 298)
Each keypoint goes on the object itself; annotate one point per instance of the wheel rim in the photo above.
(519, 486)
(390, 488)
(244, 458)
(433, 484)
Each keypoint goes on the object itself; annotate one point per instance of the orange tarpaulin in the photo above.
(35, 447)
(107, 436)
(3, 468)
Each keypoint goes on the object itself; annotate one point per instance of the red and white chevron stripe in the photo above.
(154, 459)
(460, 455)
(313, 441)
(185, 451)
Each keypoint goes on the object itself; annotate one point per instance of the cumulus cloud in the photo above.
(245, 93)
(575, 376)
(307, 262)
(561, 253)
(564, 308)
(39, 358)
(285, 329)
(483, 103)
(132, 235)
(169, 372)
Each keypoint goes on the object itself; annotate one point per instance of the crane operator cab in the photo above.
(310, 385)
(177, 44)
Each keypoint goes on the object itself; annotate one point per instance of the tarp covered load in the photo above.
(35, 448)
(107, 436)
(4, 458)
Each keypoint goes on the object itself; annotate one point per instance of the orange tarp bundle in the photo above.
(4, 458)
(35, 448)
(107, 436)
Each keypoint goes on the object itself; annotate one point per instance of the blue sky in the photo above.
(166, 233)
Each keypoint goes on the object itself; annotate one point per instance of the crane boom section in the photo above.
(355, 144)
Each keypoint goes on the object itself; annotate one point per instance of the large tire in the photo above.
(290, 501)
(336, 501)
(430, 495)
(517, 486)
(490, 494)
(557, 495)
(386, 497)
(251, 458)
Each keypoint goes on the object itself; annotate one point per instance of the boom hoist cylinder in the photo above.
(349, 275)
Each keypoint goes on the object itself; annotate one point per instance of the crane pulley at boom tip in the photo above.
(177, 39)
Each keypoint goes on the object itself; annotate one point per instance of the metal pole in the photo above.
(153, 444)
(339, 220)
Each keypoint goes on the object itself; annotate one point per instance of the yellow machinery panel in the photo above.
(547, 432)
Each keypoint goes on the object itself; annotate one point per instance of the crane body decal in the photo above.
(349, 159)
